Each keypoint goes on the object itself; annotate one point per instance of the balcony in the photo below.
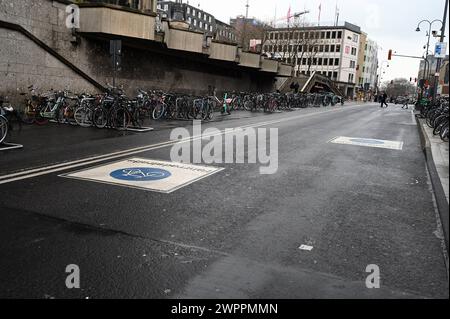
(178, 37)
(268, 65)
(250, 60)
(285, 69)
(223, 51)
(117, 21)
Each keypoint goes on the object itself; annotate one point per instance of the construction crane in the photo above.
(287, 18)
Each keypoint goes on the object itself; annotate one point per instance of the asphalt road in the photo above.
(235, 234)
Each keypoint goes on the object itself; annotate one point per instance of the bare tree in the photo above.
(292, 44)
(398, 87)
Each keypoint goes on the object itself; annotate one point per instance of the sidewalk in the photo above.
(437, 155)
(439, 151)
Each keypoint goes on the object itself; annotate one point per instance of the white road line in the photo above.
(26, 174)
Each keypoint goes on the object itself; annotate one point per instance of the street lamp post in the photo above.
(244, 32)
(439, 61)
(430, 25)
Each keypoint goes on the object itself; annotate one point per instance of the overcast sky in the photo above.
(391, 23)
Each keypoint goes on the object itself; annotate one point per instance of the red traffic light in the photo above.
(390, 55)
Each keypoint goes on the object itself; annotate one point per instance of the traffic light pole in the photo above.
(407, 56)
(413, 57)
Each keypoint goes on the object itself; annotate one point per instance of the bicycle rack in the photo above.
(140, 129)
(130, 129)
(9, 146)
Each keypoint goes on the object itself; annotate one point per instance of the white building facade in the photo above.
(369, 77)
(329, 50)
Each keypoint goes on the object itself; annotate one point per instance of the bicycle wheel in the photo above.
(136, 119)
(3, 128)
(190, 111)
(438, 123)
(40, 120)
(100, 117)
(83, 116)
(444, 132)
(211, 106)
(28, 118)
(60, 115)
(430, 119)
(158, 111)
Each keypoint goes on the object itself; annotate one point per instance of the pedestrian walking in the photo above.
(383, 100)
(405, 103)
(296, 87)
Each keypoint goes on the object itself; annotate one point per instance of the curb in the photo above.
(439, 193)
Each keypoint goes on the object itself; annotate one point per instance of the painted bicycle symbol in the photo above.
(140, 174)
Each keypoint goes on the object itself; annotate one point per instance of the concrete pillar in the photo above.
(147, 5)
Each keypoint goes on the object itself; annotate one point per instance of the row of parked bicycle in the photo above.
(114, 109)
(437, 117)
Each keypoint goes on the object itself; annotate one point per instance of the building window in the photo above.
(336, 61)
(339, 35)
(327, 48)
(351, 77)
(328, 35)
(332, 47)
(195, 22)
(188, 10)
(200, 24)
(166, 7)
(338, 48)
(353, 51)
(325, 61)
(333, 35)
